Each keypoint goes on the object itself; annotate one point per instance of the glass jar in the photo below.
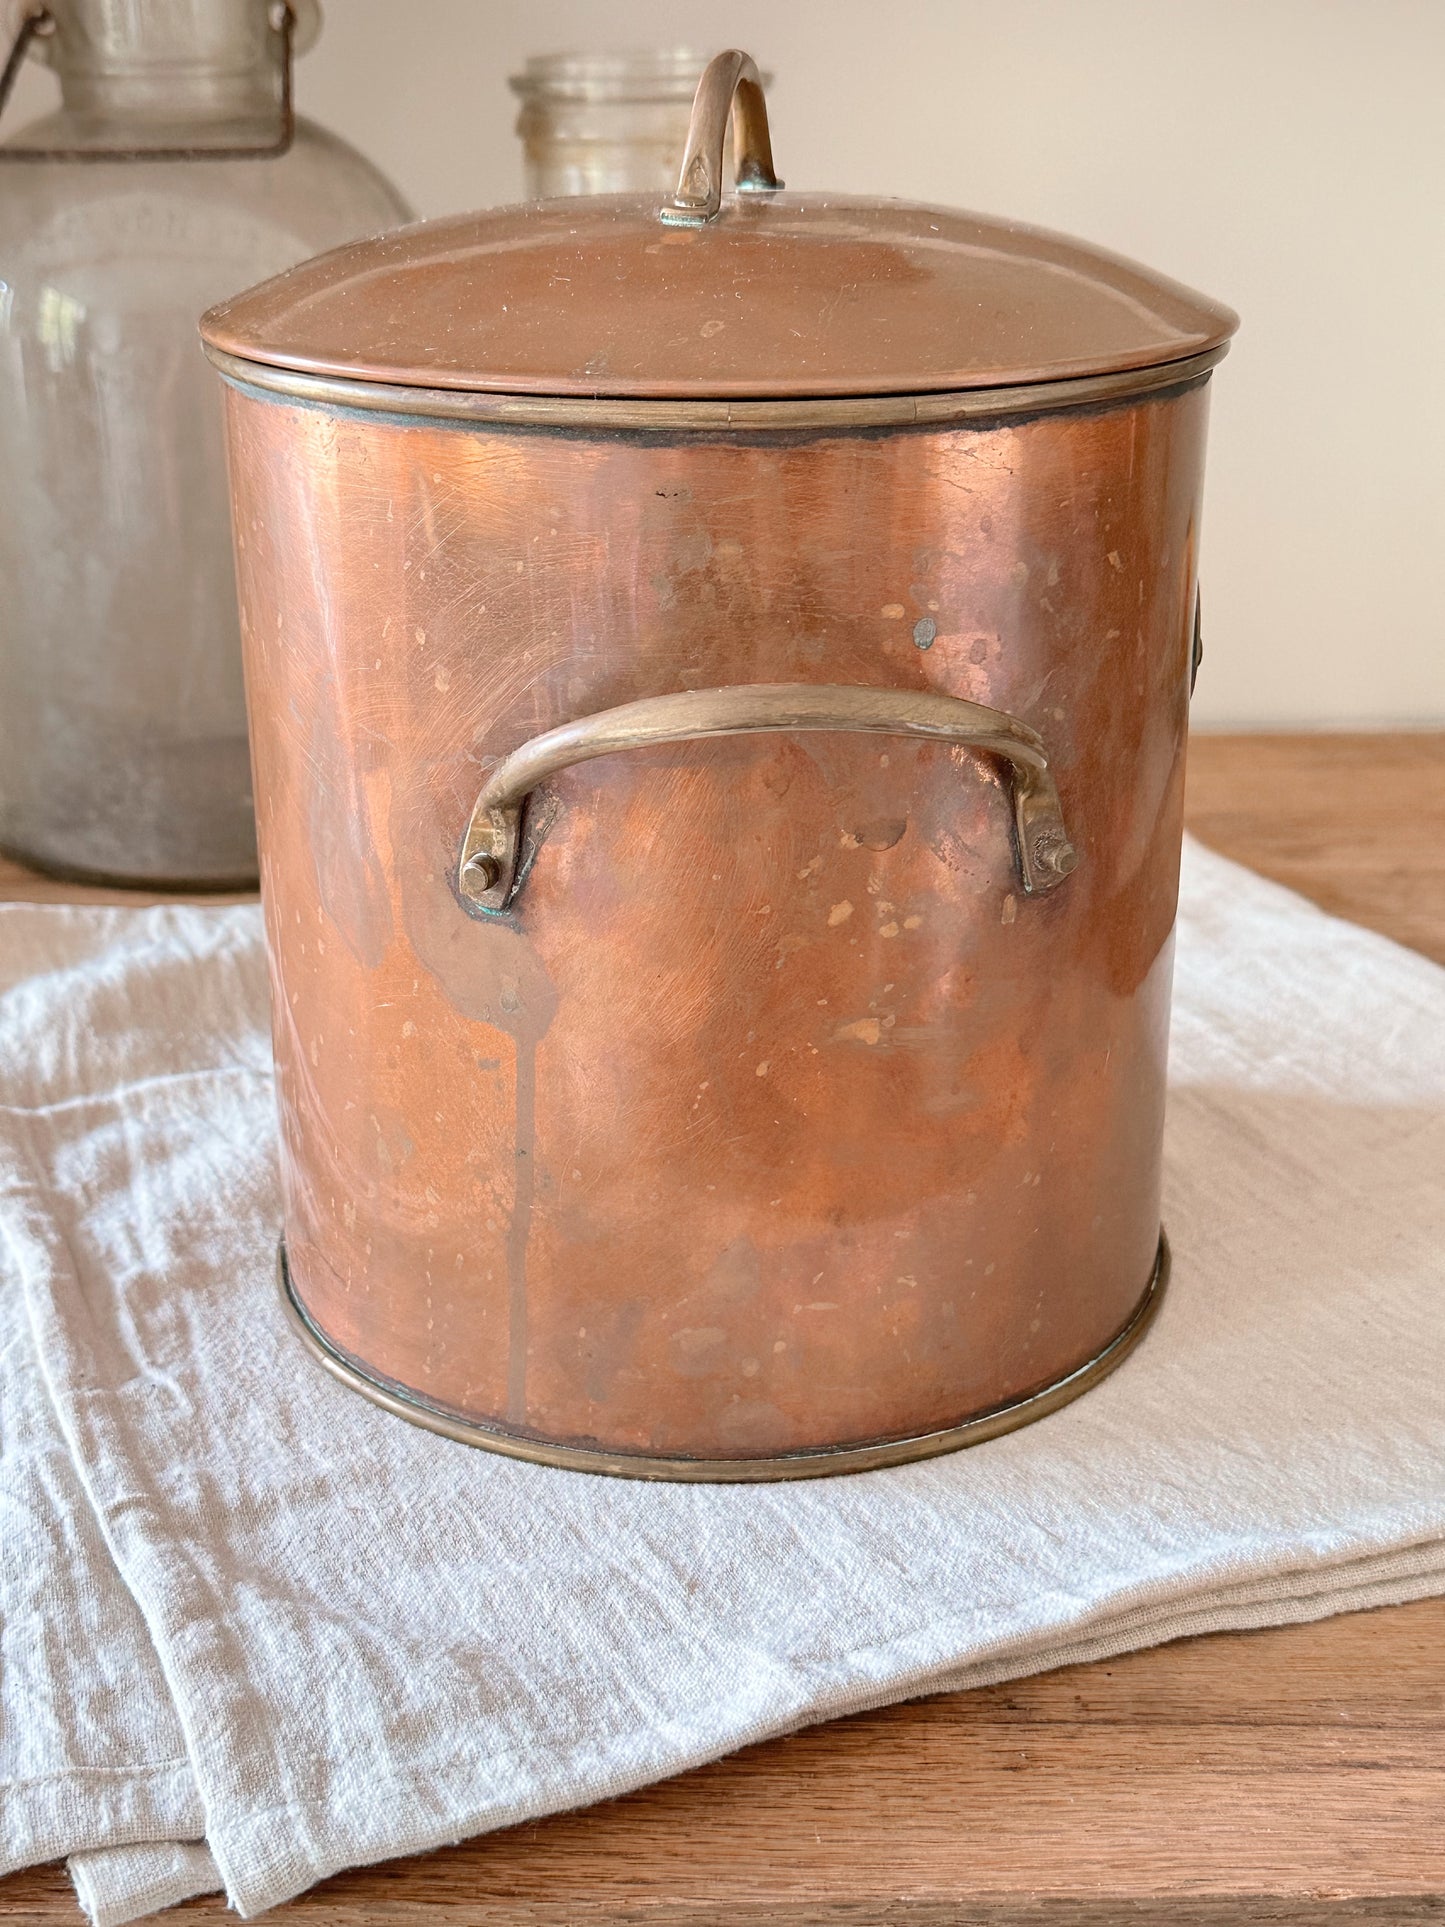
(171, 176)
(605, 123)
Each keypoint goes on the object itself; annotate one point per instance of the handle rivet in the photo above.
(1054, 856)
(481, 872)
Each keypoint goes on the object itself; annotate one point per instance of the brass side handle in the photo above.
(487, 878)
(730, 84)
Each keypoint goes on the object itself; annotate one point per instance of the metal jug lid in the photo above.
(757, 294)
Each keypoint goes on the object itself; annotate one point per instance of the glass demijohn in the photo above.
(605, 123)
(156, 189)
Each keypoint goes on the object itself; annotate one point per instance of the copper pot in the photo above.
(718, 684)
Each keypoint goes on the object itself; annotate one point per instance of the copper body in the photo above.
(773, 1116)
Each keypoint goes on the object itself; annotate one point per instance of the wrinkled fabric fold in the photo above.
(125, 1883)
(372, 1640)
(91, 1749)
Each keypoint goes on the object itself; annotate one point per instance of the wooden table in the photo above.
(1295, 1775)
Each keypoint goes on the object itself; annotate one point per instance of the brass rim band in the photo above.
(819, 1462)
(839, 412)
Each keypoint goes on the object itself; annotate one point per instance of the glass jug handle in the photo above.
(36, 23)
(295, 22)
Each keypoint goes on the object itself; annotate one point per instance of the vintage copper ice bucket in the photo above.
(781, 1091)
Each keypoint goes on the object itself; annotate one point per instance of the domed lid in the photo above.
(764, 295)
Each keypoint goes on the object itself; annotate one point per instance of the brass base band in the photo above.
(816, 1462)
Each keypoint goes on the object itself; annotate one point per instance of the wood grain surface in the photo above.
(1295, 1775)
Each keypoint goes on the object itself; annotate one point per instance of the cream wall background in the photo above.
(1287, 156)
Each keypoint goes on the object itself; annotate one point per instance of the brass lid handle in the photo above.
(732, 85)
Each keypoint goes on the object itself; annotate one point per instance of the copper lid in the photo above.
(766, 294)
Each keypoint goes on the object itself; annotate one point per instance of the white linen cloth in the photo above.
(374, 1640)
(90, 1745)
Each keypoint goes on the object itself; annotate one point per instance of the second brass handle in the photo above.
(487, 878)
